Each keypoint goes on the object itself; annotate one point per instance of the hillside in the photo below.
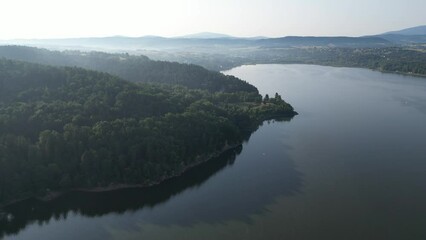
(131, 68)
(206, 35)
(419, 30)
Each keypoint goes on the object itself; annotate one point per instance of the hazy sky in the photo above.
(77, 18)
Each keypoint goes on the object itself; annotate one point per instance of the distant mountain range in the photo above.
(209, 41)
(210, 35)
(158, 43)
(406, 36)
(420, 30)
(207, 35)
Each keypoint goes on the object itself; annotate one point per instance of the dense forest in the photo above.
(132, 68)
(66, 127)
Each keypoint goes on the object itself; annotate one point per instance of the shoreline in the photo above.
(114, 187)
(54, 195)
(331, 65)
(119, 186)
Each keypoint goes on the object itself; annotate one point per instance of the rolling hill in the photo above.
(419, 30)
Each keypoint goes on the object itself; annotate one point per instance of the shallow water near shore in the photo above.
(351, 165)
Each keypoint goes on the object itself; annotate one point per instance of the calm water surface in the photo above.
(352, 165)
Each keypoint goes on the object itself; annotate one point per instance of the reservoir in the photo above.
(351, 165)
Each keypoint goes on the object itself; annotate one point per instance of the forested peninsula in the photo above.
(65, 128)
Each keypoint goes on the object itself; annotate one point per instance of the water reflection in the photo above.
(196, 196)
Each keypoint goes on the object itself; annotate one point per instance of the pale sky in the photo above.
(244, 18)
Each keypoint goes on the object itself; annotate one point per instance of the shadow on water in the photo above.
(196, 196)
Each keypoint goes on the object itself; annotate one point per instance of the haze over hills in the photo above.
(210, 41)
(219, 52)
(195, 42)
(206, 41)
(294, 41)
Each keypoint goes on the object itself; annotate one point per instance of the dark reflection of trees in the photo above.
(97, 204)
(226, 204)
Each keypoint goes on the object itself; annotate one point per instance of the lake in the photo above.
(351, 165)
